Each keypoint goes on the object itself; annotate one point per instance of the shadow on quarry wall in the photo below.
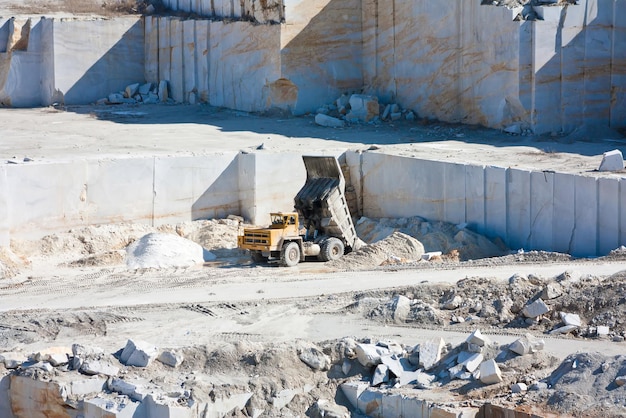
(111, 71)
(575, 90)
(323, 58)
(219, 200)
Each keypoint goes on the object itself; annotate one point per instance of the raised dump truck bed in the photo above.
(321, 202)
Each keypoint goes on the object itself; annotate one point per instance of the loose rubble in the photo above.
(139, 93)
(381, 374)
(360, 108)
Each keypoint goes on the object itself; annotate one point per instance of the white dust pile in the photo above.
(159, 250)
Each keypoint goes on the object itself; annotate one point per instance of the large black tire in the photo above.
(257, 257)
(332, 249)
(290, 254)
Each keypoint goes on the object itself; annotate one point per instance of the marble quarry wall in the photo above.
(43, 61)
(457, 60)
(531, 210)
(226, 64)
(460, 61)
(41, 198)
(25, 61)
(580, 215)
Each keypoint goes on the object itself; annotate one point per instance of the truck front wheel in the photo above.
(332, 249)
(257, 257)
(290, 254)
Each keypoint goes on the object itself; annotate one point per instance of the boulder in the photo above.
(95, 367)
(315, 358)
(490, 372)
(12, 360)
(526, 345)
(612, 161)
(131, 90)
(323, 408)
(138, 354)
(144, 89)
(401, 306)
(570, 319)
(328, 121)
(381, 375)
(84, 351)
(369, 354)
(363, 108)
(471, 362)
(477, 338)
(535, 309)
(397, 365)
(430, 353)
(171, 358)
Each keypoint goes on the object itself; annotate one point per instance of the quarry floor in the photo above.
(98, 301)
(45, 134)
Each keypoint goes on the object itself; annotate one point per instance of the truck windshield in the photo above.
(277, 220)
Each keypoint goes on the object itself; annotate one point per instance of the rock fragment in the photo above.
(329, 121)
(490, 372)
(570, 319)
(612, 161)
(519, 388)
(401, 306)
(363, 108)
(138, 354)
(381, 375)
(535, 309)
(430, 352)
(171, 358)
(552, 290)
(314, 358)
(477, 338)
(526, 345)
(369, 354)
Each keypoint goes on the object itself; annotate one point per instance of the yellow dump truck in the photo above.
(321, 226)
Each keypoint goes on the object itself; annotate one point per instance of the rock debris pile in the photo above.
(357, 108)
(414, 240)
(379, 378)
(138, 93)
(568, 304)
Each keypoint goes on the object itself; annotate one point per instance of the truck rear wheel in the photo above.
(290, 254)
(332, 249)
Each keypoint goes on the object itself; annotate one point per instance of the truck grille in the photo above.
(256, 238)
